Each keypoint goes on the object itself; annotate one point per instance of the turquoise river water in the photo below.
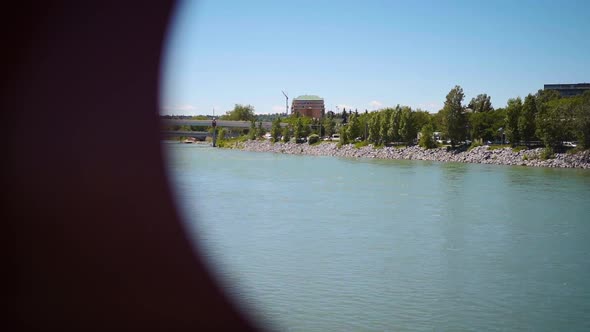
(326, 244)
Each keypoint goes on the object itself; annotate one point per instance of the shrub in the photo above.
(313, 139)
(547, 153)
(426, 140)
(473, 145)
(221, 134)
(361, 144)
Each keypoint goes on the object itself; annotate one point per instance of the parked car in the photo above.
(335, 137)
(569, 144)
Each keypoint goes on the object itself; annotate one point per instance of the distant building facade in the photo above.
(307, 105)
(568, 90)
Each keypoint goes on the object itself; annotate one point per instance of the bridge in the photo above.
(201, 135)
(220, 123)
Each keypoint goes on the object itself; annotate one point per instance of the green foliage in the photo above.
(513, 111)
(298, 131)
(426, 140)
(545, 96)
(420, 119)
(554, 124)
(526, 121)
(374, 127)
(394, 123)
(275, 130)
(361, 144)
(221, 134)
(313, 139)
(453, 117)
(286, 134)
(353, 129)
(260, 131)
(481, 104)
(384, 126)
(231, 142)
(240, 113)
(344, 139)
(407, 131)
(474, 144)
(547, 153)
(328, 124)
(582, 128)
(252, 131)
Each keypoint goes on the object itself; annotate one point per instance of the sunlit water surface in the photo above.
(327, 244)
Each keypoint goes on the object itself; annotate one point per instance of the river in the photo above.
(308, 243)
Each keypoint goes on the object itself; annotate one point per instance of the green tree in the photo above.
(513, 111)
(343, 135)
(477, 124)
(221, 134)
(374, 127)
(260, 131)
(453, 116)
(426, 140)
(353, 129)
(554, 124)
(299, 131)
(582, 128)
(384, 126)
(252, 131)
(394, 123)
(407, 130)
(240, 113)
(545, 96)
(287, 133)
(481, 103)
(421, 118)
(527, 119)
(275, 130)
(328, 124)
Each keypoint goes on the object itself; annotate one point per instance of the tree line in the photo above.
(544, 118)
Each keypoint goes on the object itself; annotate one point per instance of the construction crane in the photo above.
(286, 102)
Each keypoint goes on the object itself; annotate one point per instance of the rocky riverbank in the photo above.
(480, 155)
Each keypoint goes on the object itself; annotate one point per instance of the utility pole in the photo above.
(286, 103)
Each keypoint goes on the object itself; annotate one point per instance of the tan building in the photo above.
(311, 106)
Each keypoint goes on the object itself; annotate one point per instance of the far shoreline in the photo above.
(478, 155)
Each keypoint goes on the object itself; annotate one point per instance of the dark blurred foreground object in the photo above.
(94, 241)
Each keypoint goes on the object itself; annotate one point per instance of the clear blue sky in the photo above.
(368, 54)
